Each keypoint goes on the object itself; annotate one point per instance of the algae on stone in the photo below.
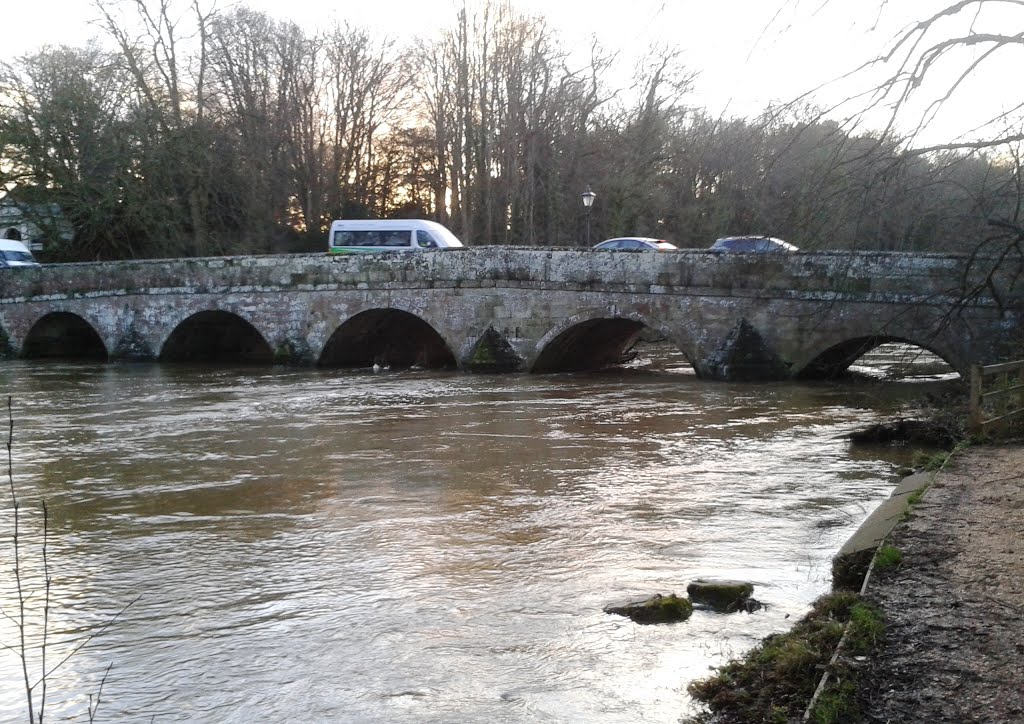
(656, 609)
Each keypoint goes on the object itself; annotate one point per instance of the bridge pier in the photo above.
(744, 357)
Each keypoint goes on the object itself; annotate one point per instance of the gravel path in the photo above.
(954, 648)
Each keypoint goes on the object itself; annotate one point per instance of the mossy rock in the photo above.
(723, 596)
(656, 609)
(849, 569)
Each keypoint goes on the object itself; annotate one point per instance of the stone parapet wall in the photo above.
(683, 273)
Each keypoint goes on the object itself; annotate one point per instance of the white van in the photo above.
(14, 253)
(363, 237)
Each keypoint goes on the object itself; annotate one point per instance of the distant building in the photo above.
(34, 224)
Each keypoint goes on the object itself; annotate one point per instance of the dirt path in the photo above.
(954, 649)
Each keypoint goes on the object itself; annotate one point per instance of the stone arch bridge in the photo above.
(733, 316)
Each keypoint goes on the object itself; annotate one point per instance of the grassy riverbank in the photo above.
(815, 671)
(778, 678)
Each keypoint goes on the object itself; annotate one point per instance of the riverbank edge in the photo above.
(851, 566)
(851, 572)
(856, 558)
(882, 520)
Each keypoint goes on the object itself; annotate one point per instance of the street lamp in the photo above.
(588, 201)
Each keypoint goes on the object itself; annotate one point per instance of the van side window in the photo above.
(353, 238)
(371, 238)
(424, 240)
(396, 238)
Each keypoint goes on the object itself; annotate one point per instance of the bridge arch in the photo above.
(597, 339)
(64, 335)
(389, 337)
(216, 336)
(836, 359)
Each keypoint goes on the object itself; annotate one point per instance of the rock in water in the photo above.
(656, 609)
(723, 596)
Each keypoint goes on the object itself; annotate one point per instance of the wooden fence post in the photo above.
(975, 416)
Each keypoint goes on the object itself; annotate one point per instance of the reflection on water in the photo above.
(420, 547)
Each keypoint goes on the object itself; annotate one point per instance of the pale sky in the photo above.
(749, 53)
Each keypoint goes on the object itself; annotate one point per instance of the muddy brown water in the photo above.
(416, 546)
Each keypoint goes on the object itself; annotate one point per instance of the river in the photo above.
(325, 546)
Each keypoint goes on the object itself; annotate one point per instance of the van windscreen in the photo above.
(425, 240)
(16, 256)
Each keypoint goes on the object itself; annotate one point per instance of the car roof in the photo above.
(635, 238)
(620, 241)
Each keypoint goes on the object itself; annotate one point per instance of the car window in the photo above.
(632, 244)
(734, 245)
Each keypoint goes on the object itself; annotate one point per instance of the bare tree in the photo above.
(509, 117)
(932, 60)
(250, 62)
(167, 59)
(368, 82)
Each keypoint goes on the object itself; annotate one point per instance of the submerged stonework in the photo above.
(734, 316)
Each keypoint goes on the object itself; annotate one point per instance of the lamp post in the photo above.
(588, 201)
